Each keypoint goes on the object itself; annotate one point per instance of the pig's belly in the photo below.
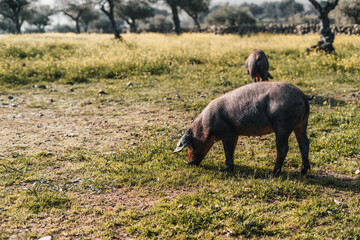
(256, 130)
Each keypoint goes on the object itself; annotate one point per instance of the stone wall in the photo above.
(278, 28)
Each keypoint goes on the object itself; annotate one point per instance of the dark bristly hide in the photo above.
(252, 110)
(257, 65)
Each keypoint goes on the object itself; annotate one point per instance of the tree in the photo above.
(63, 28)
(254, 9)
(133, 10)
(271, 10)
(217, 16)
(107, 7)
(7, 26)
(289, 8)
(89, 15)
(161, 12)
(240, 16)
(174, 4)
(103, 25)
(16, 11)
(195, 7)
(40, 17)
(74, 9)
(327, 37)
(230, 16)
(160, 24)
(351, 9)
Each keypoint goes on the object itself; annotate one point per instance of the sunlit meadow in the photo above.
(139, 189)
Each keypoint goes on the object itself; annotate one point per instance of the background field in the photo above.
(78, 164)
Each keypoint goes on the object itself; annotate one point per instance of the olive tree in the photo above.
(7, 26)
(108, 8)
(74, 9)
(351, 9)
(174, 6)
(327, 37)
(231, 16)
(195, 7)
(290, 8)
(16, 11)
(160, 24)
(89, 15)
(133, 10)
(40, 17)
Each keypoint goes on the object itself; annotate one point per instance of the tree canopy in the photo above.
(133, 10)
(74, 9)
(327, 37)
(194, 8)
(351, 9)
(231, 16)
(108, 8)
(40, 17)
(174, 5)
(16, 11)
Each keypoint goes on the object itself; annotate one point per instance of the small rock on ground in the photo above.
(101, 92)
(45, 238)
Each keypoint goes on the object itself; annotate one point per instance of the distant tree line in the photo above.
(116, 16)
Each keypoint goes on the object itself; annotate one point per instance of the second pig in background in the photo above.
(257, 65)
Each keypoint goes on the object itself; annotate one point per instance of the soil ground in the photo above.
(54, 121)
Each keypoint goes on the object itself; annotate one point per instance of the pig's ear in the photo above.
(184, 141)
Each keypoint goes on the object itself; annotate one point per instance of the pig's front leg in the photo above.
(229, 141)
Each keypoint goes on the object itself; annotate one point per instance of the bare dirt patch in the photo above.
(40, 120)
(90, 211)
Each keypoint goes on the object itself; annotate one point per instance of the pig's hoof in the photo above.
(304, 171)
(228, 169)
(194, 163)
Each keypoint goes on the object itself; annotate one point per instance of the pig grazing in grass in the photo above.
(257, 65)
(252, 110)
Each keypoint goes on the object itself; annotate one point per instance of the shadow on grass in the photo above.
(329, 180)
(339, 183)
(319, 100)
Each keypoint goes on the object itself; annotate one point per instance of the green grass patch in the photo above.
(158, 84)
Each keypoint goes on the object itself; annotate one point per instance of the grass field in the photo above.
(76, 164)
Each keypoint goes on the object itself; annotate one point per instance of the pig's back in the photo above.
(253, 108)
(276, 92)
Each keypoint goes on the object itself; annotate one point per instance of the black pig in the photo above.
(252, 110)
(257, 65)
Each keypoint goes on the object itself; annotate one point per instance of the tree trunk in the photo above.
(18, 28)
(195, 18)
(17, 24)
(77, 21)
(110, 15)
(86, 25)
(115, 30)
(133, 27)
(132, 24)
(197, 24)
(41, 28)
(327, 37)
(176, 19)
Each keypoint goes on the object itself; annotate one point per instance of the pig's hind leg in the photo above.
(264, 77)
(303, 141)
(282, 148)
(229, 142)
